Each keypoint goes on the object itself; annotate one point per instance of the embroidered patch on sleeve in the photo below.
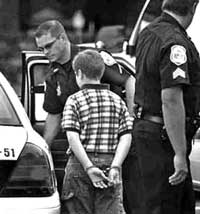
(178, 55)
(107, 58)
(179, 73)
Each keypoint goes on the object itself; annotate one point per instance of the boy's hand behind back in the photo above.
(114, 176)
(98, 178)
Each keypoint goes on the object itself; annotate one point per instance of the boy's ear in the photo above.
(63, 36)
(194, 7)
(79, 73)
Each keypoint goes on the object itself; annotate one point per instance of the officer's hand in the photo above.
(98, 178)
(114, 176)
(181, 170)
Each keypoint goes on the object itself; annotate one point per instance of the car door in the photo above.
(34, 69)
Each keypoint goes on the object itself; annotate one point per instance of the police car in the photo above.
(27, 176)
(195, 155)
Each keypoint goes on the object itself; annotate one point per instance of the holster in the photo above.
(191, 127)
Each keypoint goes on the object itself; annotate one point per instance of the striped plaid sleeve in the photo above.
(70, 120)
(126, 122)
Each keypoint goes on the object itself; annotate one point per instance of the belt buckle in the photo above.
(152, 118)
(139, 113)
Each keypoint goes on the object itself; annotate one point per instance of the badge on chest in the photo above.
(58, 89)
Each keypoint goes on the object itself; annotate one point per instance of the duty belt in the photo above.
(149, 117)
(152, 118)
(157, 119)
(141, 114)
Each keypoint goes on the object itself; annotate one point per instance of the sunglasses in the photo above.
(49, 45)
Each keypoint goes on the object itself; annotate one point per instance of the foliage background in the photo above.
(19, 18)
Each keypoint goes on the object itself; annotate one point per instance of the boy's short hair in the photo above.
(90, 63)
(179, 7)
(54, 27)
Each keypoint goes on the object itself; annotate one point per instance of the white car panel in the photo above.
(193, 32)
(45, 205)
(13, 140)
(193, 29)
(195, 164)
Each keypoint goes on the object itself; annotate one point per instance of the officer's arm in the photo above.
(115, 75)
(130, 93)
(52, 127)
(174, 120)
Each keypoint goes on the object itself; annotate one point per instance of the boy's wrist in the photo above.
(89, 167)
(116, 167)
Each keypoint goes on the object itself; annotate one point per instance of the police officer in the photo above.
(52, 39)
(168, 98)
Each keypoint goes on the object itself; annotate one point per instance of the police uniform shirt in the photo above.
(114, 75)
(165, 57)
(60, 84)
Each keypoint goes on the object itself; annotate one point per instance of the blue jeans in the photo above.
(79, 196)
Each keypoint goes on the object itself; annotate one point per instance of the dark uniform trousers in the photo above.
(154, 159)
(132, 195)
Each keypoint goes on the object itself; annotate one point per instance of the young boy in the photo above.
(98, 128)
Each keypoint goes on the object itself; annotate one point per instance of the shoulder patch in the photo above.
(107, 58)
(179, 73)
(178, 55)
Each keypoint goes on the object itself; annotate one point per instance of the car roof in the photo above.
(21, 112)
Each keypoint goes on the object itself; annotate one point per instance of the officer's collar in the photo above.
(95, 86)
(74, 50)
(168, 18)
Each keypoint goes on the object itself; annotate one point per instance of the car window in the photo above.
(39, 72)
(8, 115)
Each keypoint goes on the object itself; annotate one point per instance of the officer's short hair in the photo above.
(52, 26)
(90, 63)
(179, 7)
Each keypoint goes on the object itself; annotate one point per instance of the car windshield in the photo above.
(8, 115)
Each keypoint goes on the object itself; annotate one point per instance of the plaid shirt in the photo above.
(99, 116)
